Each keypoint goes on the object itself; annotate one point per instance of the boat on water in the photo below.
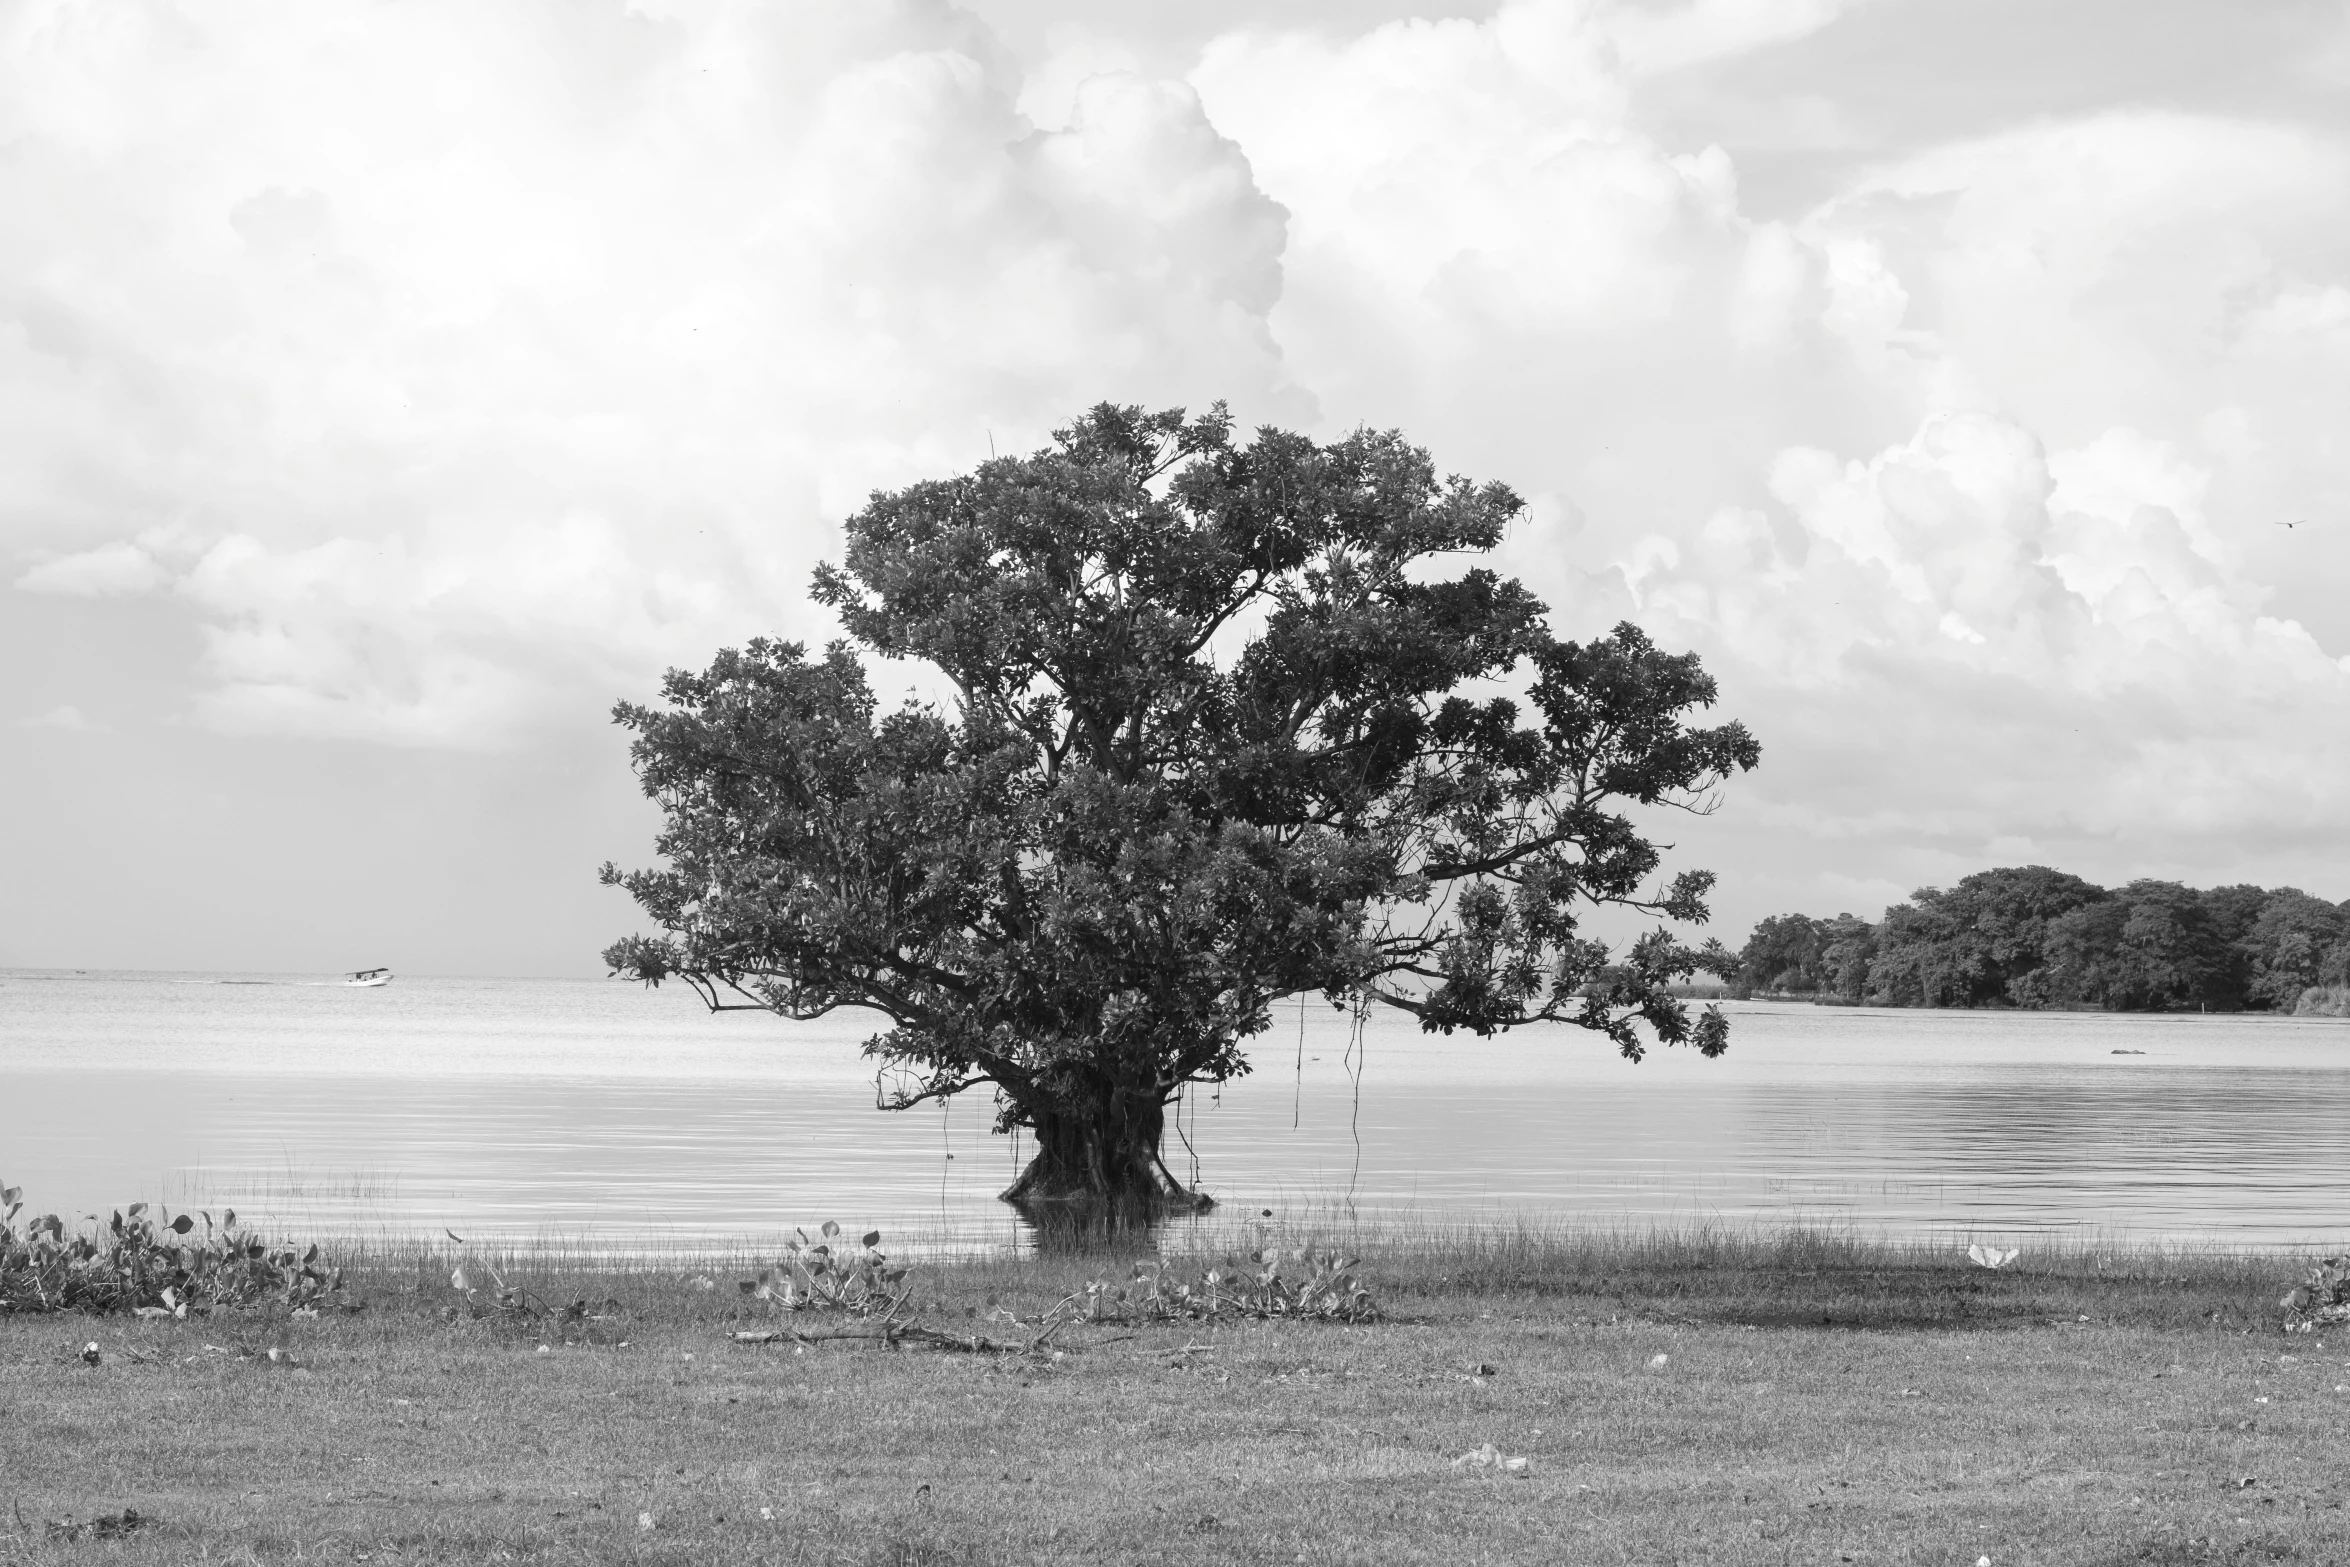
(370, 976)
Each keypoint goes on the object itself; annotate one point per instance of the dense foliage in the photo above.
(1223, 730)
(2029, 936)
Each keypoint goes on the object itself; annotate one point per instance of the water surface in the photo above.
(602, 1111)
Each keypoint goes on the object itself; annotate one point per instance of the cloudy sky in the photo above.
(385, 389)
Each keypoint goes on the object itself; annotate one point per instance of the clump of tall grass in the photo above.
(1821, 1274)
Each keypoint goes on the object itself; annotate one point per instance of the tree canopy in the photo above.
(2028, 936)
(1223, 731)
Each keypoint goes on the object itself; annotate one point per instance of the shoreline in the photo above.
(1401, 1232)
(1532, 1254)
(1737, 1400)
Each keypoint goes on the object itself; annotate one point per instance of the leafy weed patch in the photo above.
(153, 1265)
(813, 1276)
(1318, 1286)
(860, 1282)
(2320, 1299)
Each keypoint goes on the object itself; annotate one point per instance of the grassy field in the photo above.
(1680, 1397)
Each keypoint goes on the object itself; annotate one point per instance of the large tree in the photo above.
(1222, 730)
(1783, 954)
(1981, 943)
(2149, 947)
(2290, 946)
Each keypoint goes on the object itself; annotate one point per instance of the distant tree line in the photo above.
(2028, 936)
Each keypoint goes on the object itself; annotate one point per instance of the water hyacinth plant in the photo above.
(2322, 1298)
(826, 1274)
(154, 1264)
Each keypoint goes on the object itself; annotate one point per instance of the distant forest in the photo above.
(2029, 936)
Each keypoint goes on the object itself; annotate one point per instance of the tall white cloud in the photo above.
(1488, 249)
(453, 365)
(457, 362)
(2174, 274)
(2000, 662)
(1967, 482)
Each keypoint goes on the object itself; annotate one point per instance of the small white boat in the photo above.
(370, 976)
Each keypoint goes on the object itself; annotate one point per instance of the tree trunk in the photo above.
(1098, 1165)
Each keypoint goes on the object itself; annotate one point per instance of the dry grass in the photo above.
(1821, 1399)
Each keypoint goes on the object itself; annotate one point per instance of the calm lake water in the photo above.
(604, 1113)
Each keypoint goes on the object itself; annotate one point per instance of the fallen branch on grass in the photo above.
(109, 1526)
(892, 1334)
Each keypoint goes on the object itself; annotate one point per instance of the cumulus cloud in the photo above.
(454, 366)
(1486, 249)
(377, 640)
(477, 361)
(1962, 649)
(2175, 274)
(1965, 481)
